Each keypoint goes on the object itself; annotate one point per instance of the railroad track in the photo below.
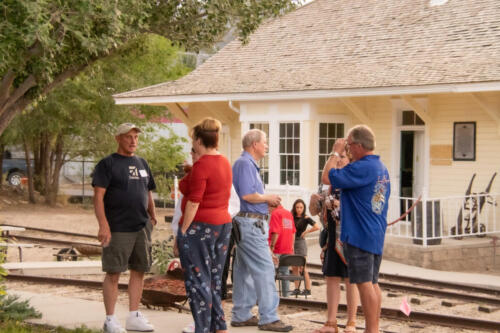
(45, 237)
(433, 288)
(75, 234)
(396, 314)
(387, 313)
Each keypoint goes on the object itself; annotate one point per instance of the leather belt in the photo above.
(253, 215)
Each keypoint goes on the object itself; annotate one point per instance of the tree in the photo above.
(76, 119)
(45, 42)
(164, 155)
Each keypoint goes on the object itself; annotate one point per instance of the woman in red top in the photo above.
(205, 227)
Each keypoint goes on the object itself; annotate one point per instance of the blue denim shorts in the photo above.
(362, 266)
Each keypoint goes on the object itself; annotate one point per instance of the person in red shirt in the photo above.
(205, 227)
(281, 238)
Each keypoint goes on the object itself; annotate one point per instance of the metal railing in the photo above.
(445, 217)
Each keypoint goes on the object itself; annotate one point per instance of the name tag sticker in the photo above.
(143, 173)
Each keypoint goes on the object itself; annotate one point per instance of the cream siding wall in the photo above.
(444, 110)
(381, 115)
(453, 180)
(230, 122)
(310, 114)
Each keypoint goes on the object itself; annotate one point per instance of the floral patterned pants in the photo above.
(202, 250)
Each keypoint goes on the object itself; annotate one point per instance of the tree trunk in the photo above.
(56, 162)
(2, 150)
(45, 162)
(29, 171)
(37, 157)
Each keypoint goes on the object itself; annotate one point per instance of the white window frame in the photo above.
(328, 148)
(261, 162)
(327, 118)
(308, 114)
(294, 154)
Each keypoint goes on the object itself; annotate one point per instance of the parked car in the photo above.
(15, 169)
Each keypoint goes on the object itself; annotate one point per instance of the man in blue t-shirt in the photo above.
(365, 190)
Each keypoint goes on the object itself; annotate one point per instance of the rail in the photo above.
(445, 217)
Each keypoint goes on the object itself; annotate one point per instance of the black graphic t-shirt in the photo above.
(127, 180)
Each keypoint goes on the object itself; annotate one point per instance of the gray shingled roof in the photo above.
(341, 44)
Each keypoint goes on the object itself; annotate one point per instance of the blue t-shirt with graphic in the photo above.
(364, 200)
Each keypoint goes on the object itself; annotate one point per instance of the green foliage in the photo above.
(10, 326)
(13, 309)
(83, 110)
(81, 113)
(163, 156)
(45, 42)
(162, 252)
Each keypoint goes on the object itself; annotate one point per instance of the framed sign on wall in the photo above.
(464, 141)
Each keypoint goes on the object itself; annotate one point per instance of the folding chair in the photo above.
(290, 260)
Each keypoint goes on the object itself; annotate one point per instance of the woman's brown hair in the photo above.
(207, 130)
(294, 208)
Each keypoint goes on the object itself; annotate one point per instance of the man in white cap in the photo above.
(125, 210)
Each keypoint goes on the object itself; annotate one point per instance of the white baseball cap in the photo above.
(125, 128)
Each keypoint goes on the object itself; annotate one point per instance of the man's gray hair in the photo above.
(363, 135)
(252, 136)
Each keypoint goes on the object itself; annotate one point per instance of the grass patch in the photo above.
(12, 326)
(14, 310)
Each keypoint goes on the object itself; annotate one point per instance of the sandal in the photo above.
(327, 328)
(350, 327)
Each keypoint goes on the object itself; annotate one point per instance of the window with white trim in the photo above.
(411, 118)
(264, 162)
(289, 153)
(328, 133)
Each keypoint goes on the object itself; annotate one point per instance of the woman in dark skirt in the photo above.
(334, 268)
(301, 221)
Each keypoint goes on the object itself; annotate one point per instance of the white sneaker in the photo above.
(189, 328)
(112, 326)
(138, 323)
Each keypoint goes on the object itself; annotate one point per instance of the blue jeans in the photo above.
(285, 284)
(253, 274)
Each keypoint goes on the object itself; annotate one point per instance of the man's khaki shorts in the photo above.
(128, 250)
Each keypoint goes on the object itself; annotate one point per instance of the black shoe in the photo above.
(306, 292)
(295, 292)
(276, 326)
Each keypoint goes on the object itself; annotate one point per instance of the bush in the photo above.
(12, 309)
(162, 252)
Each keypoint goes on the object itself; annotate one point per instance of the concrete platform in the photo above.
(55, 267)
(392, 267)
(467, 254)
(470, 254)
(73, 313)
